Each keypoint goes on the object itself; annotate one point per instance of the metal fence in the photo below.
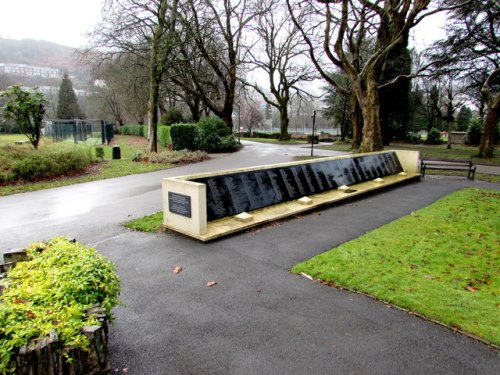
(81, 131)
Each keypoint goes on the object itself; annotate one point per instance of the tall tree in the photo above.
(282, 57)
(471, 49)
(215, 34)
(146, 29)
(120, 87)
(67, 105)
(338, 107)
(338, 30)
(464, 118)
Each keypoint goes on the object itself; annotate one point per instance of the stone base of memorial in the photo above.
(211, 205)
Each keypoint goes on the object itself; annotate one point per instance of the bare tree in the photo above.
(472, 51)
(214, 51)
(121, 87)
(339, 29)
(281, 55)
(146, 29)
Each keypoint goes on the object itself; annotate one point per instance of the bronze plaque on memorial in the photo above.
(179, 204)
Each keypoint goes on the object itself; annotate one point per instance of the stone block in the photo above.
(244, 217)
(306, 201)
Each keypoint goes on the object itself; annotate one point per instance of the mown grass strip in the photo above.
(442, 262)
(428, 151)
(149, 223)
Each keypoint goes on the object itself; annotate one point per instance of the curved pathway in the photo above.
(259, 319)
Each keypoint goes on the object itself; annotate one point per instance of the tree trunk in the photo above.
(372, 137)
(228, 119)
(356, 121)
(194, 108)
(284, 121)
(155, 76)
(449, 125)
(488, 139)
(153, 115)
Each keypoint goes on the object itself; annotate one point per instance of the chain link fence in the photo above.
(80, 131)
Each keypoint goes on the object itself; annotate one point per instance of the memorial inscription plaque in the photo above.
(231, 194)
(179, 204)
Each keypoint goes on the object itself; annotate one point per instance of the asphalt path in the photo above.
(259, 318)
(93, 211)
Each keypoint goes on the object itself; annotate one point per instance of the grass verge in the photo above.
(105, 169)
(150, 223)
(442, 262)
(429, 151)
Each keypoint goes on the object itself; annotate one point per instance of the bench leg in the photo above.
(471, 172)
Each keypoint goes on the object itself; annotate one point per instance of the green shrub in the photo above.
(183, 136)
(474, 133)
(434, 137)
(266, 135)
(137, 130)
(56, 160)
(173, 116)
(229, 143)
(310, 138)
(215, 136)
(413, 138)
(99, 152)
(164, 138)
(52, 291)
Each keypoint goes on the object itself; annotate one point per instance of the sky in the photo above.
(67, 21)
(61, 21)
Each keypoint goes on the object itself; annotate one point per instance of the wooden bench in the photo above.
(448, 164)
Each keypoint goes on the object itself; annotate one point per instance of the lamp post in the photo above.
(312, 138)
(239, 122)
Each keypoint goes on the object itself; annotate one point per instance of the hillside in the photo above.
(44, 54)
(37, 52)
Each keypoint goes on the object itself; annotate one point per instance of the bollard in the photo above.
(116, 152)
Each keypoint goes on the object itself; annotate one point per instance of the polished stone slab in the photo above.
(231, 194)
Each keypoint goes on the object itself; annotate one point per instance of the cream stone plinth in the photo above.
(197, 226)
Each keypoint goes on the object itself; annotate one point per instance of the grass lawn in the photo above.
(106, 169)
(442, 262)
(430, 151)
(434, 151)
(275, 141)
(150, 223)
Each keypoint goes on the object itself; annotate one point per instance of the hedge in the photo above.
(266, 135)
(138, 130)
(51, 292)
(183, 136)
(164, 138)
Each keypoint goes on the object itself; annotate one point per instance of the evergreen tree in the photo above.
(67, 107)
(464, 118)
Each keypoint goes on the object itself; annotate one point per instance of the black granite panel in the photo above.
(234, 193)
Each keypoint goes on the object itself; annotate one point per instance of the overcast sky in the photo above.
(60, 21)
(67, 21)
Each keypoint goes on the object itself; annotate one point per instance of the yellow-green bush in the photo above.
(52, 291)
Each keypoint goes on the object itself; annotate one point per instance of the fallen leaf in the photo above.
(212, 283)
(471, 288)
(430, 277)
(177, 269)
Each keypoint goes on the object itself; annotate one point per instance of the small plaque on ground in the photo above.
(179, 204)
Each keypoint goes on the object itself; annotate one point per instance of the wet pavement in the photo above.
(259, 318)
